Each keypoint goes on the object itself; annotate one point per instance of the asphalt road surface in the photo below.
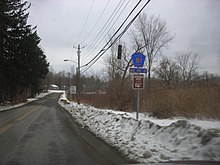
(42, 133)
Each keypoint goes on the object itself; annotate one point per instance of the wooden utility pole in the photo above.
(78, 76)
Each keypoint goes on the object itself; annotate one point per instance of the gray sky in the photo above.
(195, 24)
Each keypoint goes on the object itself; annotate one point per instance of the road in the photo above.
(42, 133)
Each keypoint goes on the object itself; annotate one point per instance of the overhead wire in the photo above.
(103, 51)
(114, 33)
(85, 23)
(103, 11)
(115, 11)
(97, 44)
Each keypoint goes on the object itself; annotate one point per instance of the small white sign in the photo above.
(72, 90)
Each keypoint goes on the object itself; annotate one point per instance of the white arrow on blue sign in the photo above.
(138, 70)
(138, 59)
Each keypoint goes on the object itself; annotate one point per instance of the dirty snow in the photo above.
(149, 139)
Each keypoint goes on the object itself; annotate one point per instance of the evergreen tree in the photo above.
(35, 66)
(23, 63)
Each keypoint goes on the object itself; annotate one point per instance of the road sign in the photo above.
(138, 81)
(72, 90)
(138, 70)
(138, 59)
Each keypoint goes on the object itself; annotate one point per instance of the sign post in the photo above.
(138, 84)
(138, 78)
(138, 104)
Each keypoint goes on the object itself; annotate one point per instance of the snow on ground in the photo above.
(166, 122)
(150, 139)
(41, 95)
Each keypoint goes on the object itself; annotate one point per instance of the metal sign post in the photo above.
(138, 104)
(138, 78)
(138, 84)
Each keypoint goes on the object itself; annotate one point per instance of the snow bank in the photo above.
(146, 141)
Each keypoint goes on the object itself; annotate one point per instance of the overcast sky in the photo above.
(60, 23)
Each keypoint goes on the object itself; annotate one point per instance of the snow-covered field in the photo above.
(150, 139)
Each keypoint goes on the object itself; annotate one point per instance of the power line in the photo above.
(115, 11)
(85, 23)
(103, 51)
(114, 33)
(108, 30)
(103, 11)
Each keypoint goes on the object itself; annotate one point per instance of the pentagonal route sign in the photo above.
(138, 59)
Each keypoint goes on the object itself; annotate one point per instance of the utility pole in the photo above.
(78, 75)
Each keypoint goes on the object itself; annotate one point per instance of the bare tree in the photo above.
(169, 71)
(117, 70)
(189, 64)
(151, 36)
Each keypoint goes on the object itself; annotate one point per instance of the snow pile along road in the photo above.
(145, 141)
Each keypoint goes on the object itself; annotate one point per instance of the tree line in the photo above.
(63, 79)
(23, 63)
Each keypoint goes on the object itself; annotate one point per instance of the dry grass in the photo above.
(96, 100)
(189, 102)
(197, 101)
